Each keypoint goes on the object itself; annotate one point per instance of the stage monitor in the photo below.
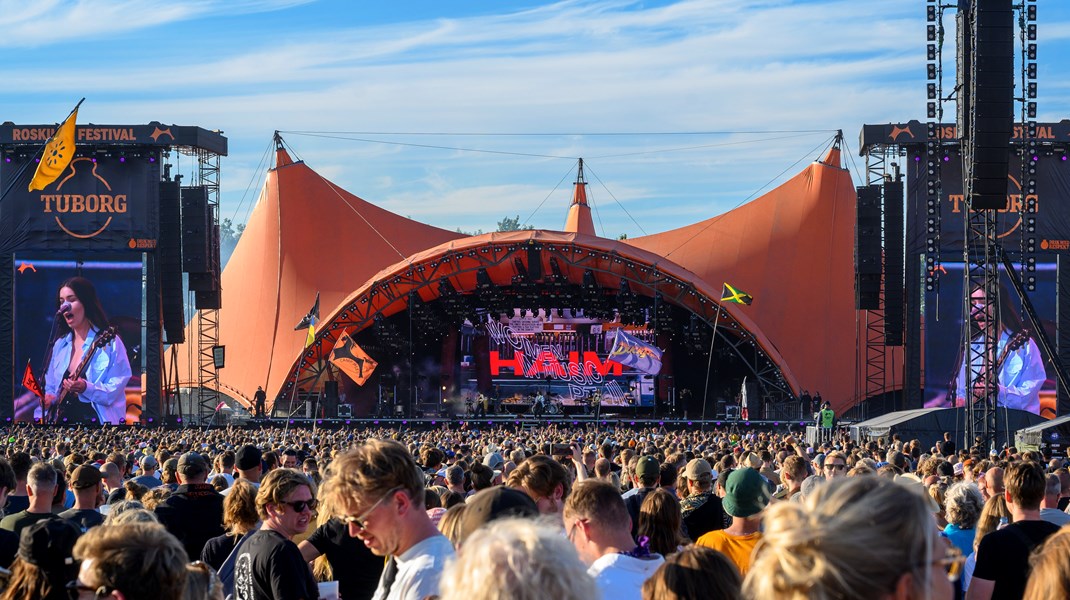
(48, 315)
(1027, 379)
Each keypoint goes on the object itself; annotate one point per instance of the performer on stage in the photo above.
(259, 398)
(1021, 373)
(101, 390)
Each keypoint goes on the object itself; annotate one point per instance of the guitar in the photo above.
(66, 399)
(1015, 342)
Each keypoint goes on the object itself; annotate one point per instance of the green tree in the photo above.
(513, 224)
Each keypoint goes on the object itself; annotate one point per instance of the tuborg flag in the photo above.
(57, 154)
(352, 360)
(633, 352)
(731, 294)
(30, 382)
(309, 321)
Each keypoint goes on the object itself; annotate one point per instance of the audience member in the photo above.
(660, 524)
(136, 561)
(694, 572)
(44, 564)
(963, 509)
(40, 488)
(746, 495)
(1049, 576)
(194, 512)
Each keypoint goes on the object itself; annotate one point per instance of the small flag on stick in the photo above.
(30, 382)
(309, 321)
(731, 294)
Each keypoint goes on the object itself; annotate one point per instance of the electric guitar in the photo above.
(1015, 342)
(66, 399)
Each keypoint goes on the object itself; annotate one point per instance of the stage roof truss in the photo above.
(391, 294)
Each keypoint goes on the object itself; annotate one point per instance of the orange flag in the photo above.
(30, 382)
(57, 154)
(352, 360)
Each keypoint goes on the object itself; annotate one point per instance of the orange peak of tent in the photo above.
(832, 157)
(579, 212)
(282, 158)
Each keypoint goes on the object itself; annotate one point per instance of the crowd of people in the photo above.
(502, 512)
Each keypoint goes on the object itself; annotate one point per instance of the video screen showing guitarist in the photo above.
(1020, 363)
(88, 367)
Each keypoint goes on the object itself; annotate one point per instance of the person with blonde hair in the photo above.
(269, 565)
(135, 560)
(239, 518)
(450, 523)
(379, 491)
(694, 572)
(1049, 576)
(858, 537)
(519, 559)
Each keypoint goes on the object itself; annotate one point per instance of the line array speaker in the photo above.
(894, 311)
(196, 224)
(868, 264)
(991, 103)
(169, 264)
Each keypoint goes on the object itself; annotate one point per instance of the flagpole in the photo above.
(709, 364)
(22, 169)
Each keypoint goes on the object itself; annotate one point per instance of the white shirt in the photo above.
(621, 577)
(419, 569)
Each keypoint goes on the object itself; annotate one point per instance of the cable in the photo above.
(434, 147)
(615, 200)
(547, 197)
(255, 177)
(749, 198)
(704, 146)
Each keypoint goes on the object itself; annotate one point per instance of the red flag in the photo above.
(221, 405)
(30, 382)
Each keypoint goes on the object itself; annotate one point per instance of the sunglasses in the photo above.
(359, 520)
(836, 467)
(300, 505)
(75, 589)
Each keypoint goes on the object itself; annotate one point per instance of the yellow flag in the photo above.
(57, 155)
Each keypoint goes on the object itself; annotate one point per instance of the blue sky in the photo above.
(781, 74)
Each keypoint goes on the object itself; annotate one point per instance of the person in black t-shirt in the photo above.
(86, 485)
(1003, 555)
(269, 565)
(194, 513)
(41, 486)
(9, 541)
(239, 518)
(355, 567)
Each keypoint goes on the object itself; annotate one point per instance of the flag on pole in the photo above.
(309, 322)
(57, 154)
(30, 382)
(731, 294)
(352, 360)
(220, 405)
(633, 352)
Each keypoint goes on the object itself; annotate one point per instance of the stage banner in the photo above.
(352, 360)
(107, 203)
(633, 352)
(1052, 218)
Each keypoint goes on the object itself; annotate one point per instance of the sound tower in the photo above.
(991, 103)
(868, 248)
(196, 224)
(894, 309)
(330, 398)
(534, 263)
(169, 264)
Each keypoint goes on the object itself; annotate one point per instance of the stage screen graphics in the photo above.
(42, 338)
(563, 357)
(1027, 379)
(1052, 217)
(108, 202)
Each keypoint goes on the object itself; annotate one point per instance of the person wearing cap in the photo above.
(599, 526)
(647, 478)
(247, 463)
(746, 496)
(194, 512)
(379, 489)
(148, 476)
(41, 487)
(497, 502)
(88, 493)
(701, 510)
(43, 561)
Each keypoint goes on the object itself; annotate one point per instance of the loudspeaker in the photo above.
(196, 228)
(534, 263)
(894, 310)
(330, 397)
(991, 102)
(169, 264)
(208, 300)
(868, 264)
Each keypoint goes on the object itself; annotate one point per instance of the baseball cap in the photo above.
(746, 493)
(85, 477)
(148, 462)
(192, 463)
(49, 543)
(495, 503)
(247, 457)
(494, 460)
(698, 469)
(648, 466)
(958, 469)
